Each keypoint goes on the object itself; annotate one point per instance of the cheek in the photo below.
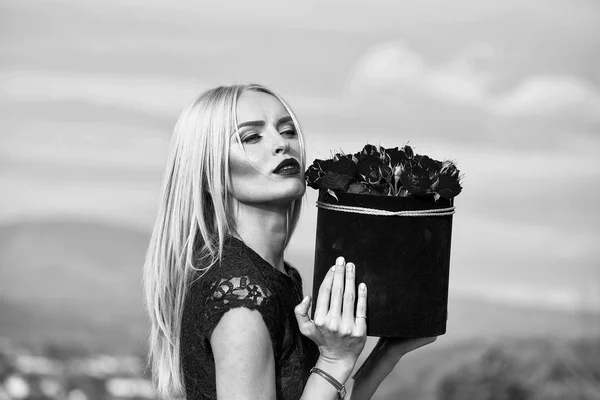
(241, 169)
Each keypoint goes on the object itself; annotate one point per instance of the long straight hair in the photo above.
(194, 216)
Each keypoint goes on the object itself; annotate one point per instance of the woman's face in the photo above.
(269, 137)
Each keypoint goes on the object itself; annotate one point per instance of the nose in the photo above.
(281, 146)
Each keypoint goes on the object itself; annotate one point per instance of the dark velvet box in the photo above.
(403, 260)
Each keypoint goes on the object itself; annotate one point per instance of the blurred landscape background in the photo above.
(89, 95)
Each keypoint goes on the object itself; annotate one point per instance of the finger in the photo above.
(361, 308)
(304, 322)
(337, 289)
(324, 293)
(349, 296)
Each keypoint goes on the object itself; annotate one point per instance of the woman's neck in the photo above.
(264, 230)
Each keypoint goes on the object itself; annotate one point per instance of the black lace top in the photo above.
(245, 279)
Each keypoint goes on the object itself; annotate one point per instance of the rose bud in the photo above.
(382, 155)
(369, 149)
(344, 166)
(395, 157)
(429, 164)
(415, 180)
(448, 168)
(408, 151)
(385, 158)
(325, 165)
(374, 175)
(312, 176)
(335, 181)
(365, 162)
(321, 165)
(448, 186)
(386, 172)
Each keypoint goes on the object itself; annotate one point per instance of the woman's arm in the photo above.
(243, 353)
(382, 360)
(245, 366)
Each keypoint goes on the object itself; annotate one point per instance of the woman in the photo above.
(227, 316)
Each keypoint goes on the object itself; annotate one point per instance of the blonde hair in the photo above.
(193, 219)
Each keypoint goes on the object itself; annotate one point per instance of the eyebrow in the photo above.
(258, 124)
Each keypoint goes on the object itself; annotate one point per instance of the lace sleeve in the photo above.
(239, 291)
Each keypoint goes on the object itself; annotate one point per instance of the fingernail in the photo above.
(362, 286)
(340, 261)
(350, 267)
(332, 268)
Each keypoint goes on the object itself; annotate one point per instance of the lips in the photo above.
(287, 162)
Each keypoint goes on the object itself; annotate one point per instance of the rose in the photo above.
(415, 180)
(391, 172)
(314, 173)
(344, 166)
(429, 164)
(335, 181)
(325, 165)
(386, 172)
(448, 168)
(448, 186)
(395, 157)
(368, 168)
(313, 176)
(369, 149)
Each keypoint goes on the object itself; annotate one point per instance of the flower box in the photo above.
(397, 234)
(403, 260)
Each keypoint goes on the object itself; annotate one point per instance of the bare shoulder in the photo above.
(243, 354)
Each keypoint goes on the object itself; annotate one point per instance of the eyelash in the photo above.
(290, 131)
(252, 137)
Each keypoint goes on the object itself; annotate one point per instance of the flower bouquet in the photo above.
(389, 211)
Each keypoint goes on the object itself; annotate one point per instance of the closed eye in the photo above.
(291, 132)
(251, 139)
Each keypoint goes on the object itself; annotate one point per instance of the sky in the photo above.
(90, 93)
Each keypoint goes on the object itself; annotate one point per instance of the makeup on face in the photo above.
(267, 166)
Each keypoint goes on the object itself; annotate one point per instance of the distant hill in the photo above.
(528, 369)
(538, 362)
(74, 281)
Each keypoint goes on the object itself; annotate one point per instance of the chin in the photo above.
(276, 193)
(290, 195)
(300, 190)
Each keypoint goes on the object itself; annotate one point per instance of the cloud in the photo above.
(132, 202)
(535, 295)
(156, 94)
(394, 67)
(546, 95)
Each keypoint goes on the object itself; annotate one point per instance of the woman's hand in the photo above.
(340, 335)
